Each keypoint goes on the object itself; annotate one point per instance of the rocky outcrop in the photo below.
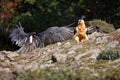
(66, 55)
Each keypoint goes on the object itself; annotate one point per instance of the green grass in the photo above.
(109, 55)
(68, 74)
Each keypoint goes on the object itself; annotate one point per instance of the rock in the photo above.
(94, 35)
(73, 57)
(100, 40)
(12, 55)
(27, 66)
(71, 52)
(19, 68)
(113, 44)
(2, 57)
(67, 44)
(72, 49)
(6, 63)
(78, 46)
(42, 66)
(34, 66)
(61, 58)
(94, 53)
(6, 74)
(59, 43)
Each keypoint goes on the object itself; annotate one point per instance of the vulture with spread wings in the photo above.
(29, 41)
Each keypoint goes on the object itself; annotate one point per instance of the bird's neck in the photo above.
(81, 25)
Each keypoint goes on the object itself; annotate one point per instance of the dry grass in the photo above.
(115, 36)
(103, 25)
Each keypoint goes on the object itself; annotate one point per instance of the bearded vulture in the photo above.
(29, 41)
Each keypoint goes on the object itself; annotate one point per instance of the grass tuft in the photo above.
(103, 26)
(108, 55)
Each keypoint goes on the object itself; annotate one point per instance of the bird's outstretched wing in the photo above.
(26, 41)
(29, 41)
(18, 36)
(56, 34)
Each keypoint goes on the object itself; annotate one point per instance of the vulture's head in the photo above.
(80, 21)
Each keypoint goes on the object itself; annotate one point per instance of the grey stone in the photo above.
(113, 44)
(2, 57)
(12, 55)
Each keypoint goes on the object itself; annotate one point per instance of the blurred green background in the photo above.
(37, 15)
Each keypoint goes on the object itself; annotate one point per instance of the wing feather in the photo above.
(49, 36)
(17, 36)
(56, 34)
(22, 39)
